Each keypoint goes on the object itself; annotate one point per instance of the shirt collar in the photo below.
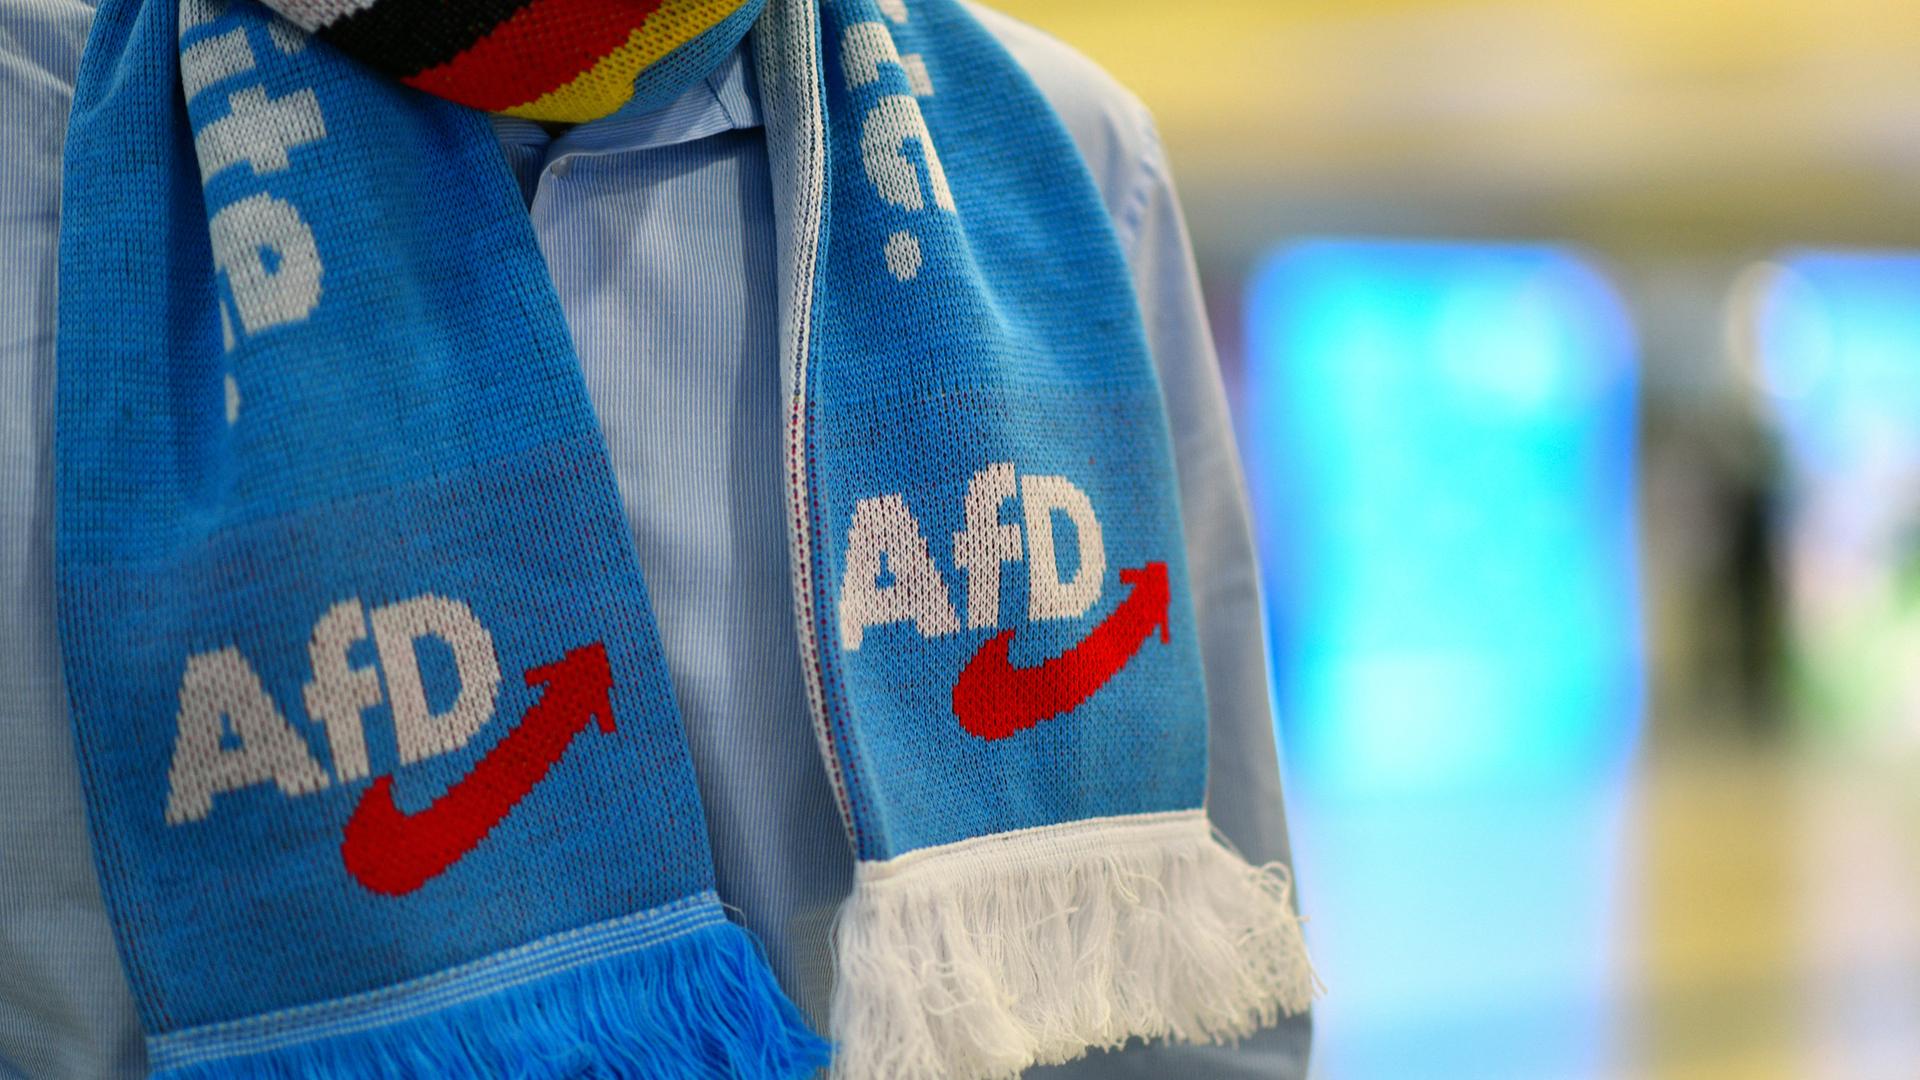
(726, 100)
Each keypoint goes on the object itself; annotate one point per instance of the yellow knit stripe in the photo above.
(608, 84)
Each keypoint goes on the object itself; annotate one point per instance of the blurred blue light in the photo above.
(1839, 336)
(1440, 444)
(1838, 350)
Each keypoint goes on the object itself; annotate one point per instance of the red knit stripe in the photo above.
(542, 47)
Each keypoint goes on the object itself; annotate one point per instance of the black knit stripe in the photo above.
(404, 37)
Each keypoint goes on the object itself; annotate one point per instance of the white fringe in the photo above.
(979, 959)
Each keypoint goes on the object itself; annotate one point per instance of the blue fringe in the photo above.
(698, 1006)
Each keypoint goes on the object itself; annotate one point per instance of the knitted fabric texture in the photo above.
(385, 775)
(994, 591)
(384, 771)
(560, 60)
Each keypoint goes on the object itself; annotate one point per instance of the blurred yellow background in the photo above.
(1712, 122)
(1743, 899)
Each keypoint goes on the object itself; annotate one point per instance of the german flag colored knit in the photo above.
(557, 60)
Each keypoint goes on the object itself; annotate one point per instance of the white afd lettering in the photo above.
(893, 120)
(421, 732)
(258, 130)
(986, 545)
(885, 527)
(286, 294)
(1047, 596)
(982, 548)
(222, 684)
(339, 693)
(262, 245)
(214, 60)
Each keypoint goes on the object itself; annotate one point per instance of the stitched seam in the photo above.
(1042, 842)
(441, 990)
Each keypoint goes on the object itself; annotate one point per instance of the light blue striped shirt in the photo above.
(658, 229)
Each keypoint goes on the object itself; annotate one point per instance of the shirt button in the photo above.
(561, 167)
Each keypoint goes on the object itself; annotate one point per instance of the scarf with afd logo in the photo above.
(384, 772)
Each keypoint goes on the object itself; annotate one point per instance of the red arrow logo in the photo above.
(993, 699)
(394, 853)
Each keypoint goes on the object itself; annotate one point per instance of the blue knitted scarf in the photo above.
(384, 772)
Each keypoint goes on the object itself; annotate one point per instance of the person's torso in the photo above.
(659, 232)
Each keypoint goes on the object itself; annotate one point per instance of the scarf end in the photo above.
(702, 1004)
(979, 959)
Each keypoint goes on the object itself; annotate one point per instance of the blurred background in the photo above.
(1575, 351)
